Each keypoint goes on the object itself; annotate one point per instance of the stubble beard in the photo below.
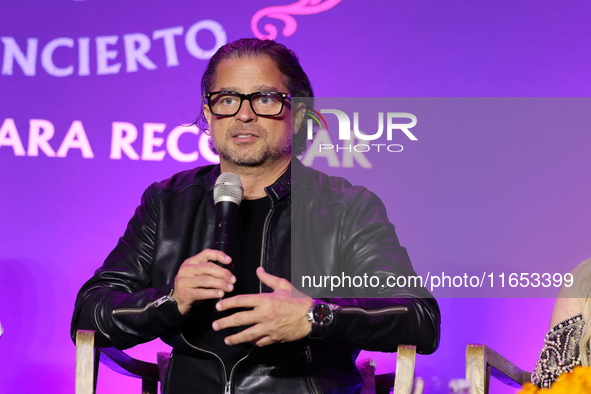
(249, 156)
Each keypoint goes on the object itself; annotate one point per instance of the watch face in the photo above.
(322, 314)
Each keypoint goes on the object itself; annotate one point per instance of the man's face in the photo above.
(246, 139)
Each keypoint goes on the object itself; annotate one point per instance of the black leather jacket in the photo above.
(126, 300)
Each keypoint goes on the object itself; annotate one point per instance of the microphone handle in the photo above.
(225, 221)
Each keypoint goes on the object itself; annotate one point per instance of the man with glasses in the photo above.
(236, 324)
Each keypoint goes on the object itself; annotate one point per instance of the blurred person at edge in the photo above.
(567, 343)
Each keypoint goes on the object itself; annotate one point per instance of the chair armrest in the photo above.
(86, 365)
(482, 362)
(87, 356)
(405, 369)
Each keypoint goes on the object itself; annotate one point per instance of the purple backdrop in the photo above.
(80, 78)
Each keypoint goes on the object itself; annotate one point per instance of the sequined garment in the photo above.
(560, 352)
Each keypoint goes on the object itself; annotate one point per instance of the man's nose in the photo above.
(246, 114)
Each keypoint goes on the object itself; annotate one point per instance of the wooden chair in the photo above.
(89, 353)
(482, 362)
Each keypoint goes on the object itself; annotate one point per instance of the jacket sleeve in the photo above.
(119, 301)
(373, 318)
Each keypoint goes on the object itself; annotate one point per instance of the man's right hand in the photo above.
(200, 279)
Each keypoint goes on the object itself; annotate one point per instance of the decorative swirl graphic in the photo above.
(284, 13)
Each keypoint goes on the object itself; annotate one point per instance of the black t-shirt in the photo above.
(246, 256)
(246, 248)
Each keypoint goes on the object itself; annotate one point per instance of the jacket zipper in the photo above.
(227, 381)
(133, 310)
(155, 303)
(311, 378)
(389, 310)
(264, 240)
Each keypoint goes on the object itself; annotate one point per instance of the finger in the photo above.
(252, 335)
(264, 341)
(205, 294)
(186, 296)
(272, 281)
(212, 255)
(238, 319)
(240, 301)
(206, 282)
(207, 269)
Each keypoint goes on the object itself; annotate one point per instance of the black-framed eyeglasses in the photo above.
(225, 103)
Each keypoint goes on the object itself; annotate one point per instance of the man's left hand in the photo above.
(279, 316)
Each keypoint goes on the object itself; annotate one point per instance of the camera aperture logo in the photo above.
(353, 141)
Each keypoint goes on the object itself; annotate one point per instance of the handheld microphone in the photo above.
(227, 195)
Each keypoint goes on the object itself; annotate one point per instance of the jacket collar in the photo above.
(281, 187)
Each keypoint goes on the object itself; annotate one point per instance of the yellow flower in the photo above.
(529, 388)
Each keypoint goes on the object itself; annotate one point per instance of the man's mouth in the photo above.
(245, 134)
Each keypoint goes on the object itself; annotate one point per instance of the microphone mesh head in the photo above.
(228, 187)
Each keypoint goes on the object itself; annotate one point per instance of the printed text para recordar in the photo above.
(149, 142)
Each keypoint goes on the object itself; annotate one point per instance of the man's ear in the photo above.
(298, 117)
(207, 114)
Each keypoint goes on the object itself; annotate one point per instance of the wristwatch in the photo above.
(322, 317)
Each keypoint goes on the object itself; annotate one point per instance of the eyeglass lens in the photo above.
(262, 103)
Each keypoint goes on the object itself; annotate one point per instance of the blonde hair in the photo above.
(582, 291)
